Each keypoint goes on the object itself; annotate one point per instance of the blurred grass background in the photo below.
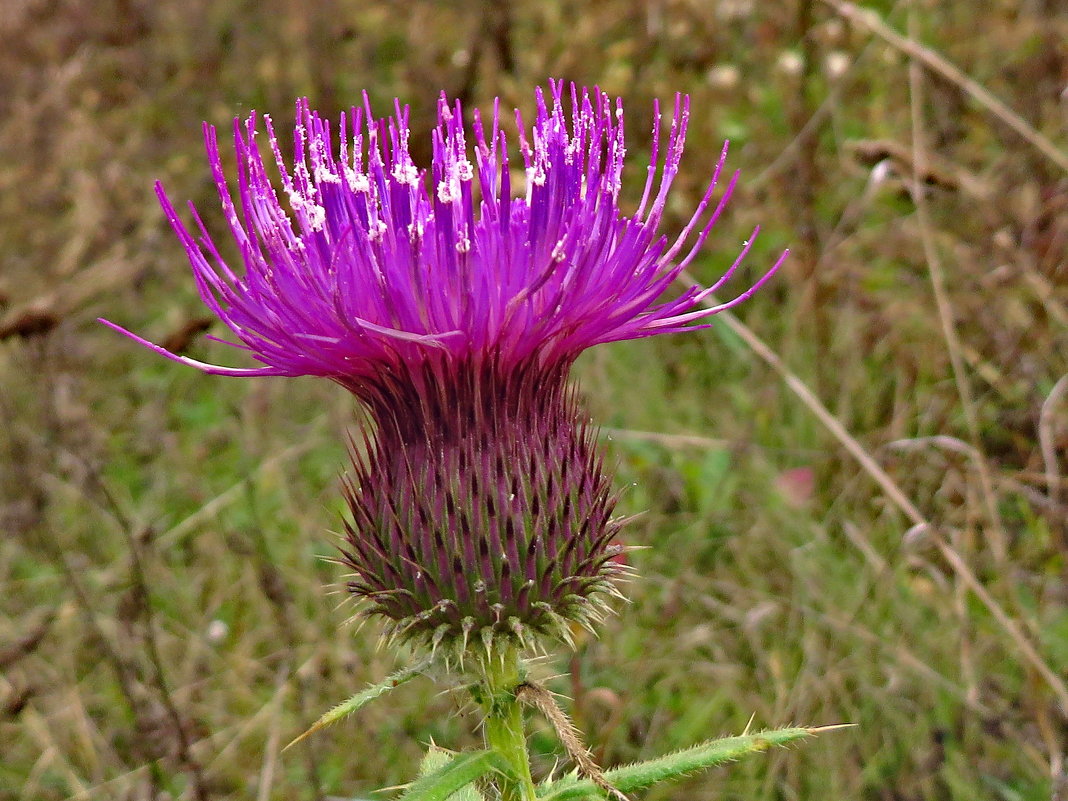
(165, 622)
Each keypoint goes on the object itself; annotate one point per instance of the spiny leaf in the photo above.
(672, 766)
(437, 758)
(460, 771)
(346, 708)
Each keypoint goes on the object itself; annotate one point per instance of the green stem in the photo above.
(504, 721)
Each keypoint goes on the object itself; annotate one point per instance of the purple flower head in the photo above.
(377, 264)
(480, 507)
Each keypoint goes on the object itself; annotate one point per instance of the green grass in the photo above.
(756, 596)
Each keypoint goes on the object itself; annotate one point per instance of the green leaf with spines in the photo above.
(458, 773)
(437, 758)
(346, 708)
(640, 775)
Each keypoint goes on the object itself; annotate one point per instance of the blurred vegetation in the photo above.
(165, 620)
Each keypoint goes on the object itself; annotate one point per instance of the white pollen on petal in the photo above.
(464, 170)
(445, 194)
(357, 181)
(324, 175)
(406, 174)
(301, 171)
(463, 246)
(316, 216)
(377, 231)
(559, 254)
(297, 200)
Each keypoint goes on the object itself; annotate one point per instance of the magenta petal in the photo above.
(362, 261)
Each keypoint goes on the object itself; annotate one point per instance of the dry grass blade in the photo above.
(210, 508)
(896, 495)
(998, 540)
(667, 440)
(28, 642)
(274, 735)
(44, 312)
(870, 20)
(1046, 440)
(530, 692)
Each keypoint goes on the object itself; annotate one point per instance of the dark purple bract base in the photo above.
(481, 507)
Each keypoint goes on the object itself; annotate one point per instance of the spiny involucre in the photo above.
(480, 505)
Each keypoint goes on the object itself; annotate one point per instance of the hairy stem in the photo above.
(504, 721)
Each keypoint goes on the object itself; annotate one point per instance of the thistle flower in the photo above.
(480, 506)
